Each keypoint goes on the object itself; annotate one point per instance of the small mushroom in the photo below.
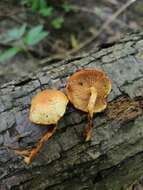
(47, 108)
(87, 90)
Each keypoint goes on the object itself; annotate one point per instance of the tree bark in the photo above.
(113, 159)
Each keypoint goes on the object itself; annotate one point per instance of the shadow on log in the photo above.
(113, 159)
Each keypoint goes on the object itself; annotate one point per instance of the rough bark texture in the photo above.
(112, 160)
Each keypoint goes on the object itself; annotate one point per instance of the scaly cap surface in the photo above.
(47, 107)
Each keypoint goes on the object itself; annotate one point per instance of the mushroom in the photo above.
(87, 90)
(47, 108)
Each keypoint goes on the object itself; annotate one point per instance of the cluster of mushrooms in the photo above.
(86, 89)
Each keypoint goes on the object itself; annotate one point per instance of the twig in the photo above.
(93, 38)
(52, 58)
(104, 26)
(83, 9)
(98, 12)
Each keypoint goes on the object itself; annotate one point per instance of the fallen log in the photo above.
(113, 159)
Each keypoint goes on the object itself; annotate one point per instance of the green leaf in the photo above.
(67, 7)
(57, 23)
(39, 37)
(46, 11)
(4, 56)
(35, 35)
(14, 34)
(24, 2)
(22, 30)
(35, 5)
(43, 4)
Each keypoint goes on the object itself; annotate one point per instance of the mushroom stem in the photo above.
(88, 129)
(90, 107)
(92, 101)
(39, 145)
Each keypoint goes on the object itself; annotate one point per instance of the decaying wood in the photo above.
(113, 160)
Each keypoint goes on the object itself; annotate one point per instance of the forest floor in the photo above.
(86, 25)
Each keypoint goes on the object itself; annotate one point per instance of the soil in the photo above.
(84, 21)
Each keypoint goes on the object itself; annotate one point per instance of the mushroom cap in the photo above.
(47, 107)
(79, 89)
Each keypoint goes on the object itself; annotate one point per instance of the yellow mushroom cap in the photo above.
(47, 107)
(79, 89)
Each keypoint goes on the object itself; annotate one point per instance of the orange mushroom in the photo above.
(87, 90)
(47, 108)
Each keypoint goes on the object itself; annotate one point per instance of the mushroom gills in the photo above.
(87, 90)
(90, 107)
